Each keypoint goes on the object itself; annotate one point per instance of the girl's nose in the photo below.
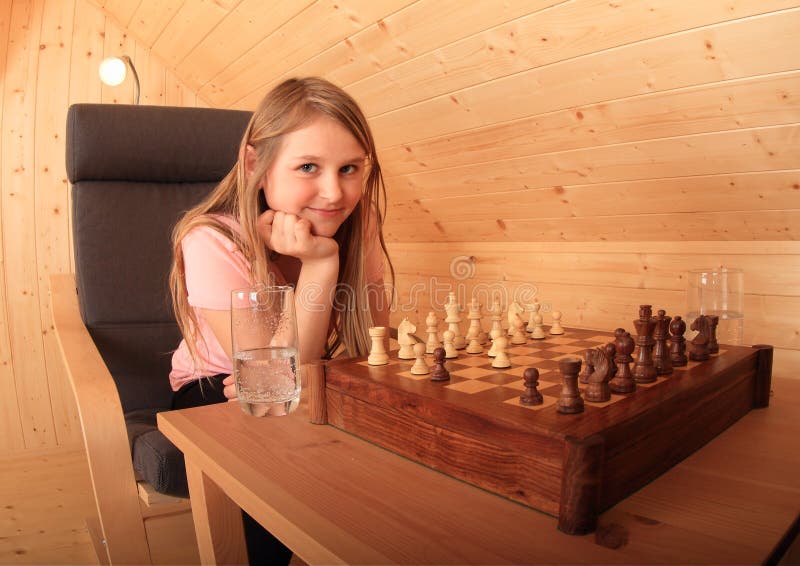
(330, 188)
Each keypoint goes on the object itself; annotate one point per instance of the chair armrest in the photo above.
(103, 426)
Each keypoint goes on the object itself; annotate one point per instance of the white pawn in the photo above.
(538, 329)
(420, 367)
(500, 360)
(556, 328)
(377, 354)
(433, 333)
(474, 346)
(449, 347)
(519, 336)
(404, 331)
(533, 310)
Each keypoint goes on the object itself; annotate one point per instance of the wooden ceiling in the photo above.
(529, 120)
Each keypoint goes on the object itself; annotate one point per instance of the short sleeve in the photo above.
(214, 267)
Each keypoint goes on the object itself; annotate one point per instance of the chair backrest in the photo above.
(134, 170)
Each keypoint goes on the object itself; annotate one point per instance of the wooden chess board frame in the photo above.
(571, 466)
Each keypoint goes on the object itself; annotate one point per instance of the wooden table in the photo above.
(334, 498)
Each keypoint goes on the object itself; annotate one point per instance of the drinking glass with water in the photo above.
(265, 362)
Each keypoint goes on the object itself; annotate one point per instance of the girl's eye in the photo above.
(348, 169)
(308, 168)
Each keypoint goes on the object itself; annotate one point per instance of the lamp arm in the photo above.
(135, 78)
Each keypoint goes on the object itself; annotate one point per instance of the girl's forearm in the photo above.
(313, 299)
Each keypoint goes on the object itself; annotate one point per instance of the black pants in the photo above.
(262, 547)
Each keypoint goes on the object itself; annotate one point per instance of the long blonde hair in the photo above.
(288, 107)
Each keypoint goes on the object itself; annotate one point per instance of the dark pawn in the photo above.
(661, 357)
(624, 345)
(677, 343)
(570, 400)
(439, 373)
(588, 368)
(610, 351)
(531, 395)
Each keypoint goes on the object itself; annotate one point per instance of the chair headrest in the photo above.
(116, 142)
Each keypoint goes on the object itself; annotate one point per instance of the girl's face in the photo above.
(317, 174)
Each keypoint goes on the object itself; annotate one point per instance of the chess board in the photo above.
(474, 427)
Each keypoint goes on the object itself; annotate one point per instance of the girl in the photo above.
(303, 205)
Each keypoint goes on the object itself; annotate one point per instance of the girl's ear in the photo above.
(250, 160)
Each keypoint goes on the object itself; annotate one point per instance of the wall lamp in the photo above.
(113, 71)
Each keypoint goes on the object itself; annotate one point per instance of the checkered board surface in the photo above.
(472, 375)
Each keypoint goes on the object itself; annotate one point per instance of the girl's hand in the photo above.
(288, 234)
(230, 388)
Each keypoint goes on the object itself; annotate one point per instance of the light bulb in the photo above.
(112, 71)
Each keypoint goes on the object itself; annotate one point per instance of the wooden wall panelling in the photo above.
(764, 100)
(757, 190)
(704, 55)
(19, 227)
(52, 210)
(408, 33)
(280, 51)
(236, 34)
(151, 17)
(117, 43)
(755, 149)
(193, 20)
(177, 93)
(11, 438)
(563, 32)
(122, 10)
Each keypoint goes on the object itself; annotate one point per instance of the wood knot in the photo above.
(611, 536)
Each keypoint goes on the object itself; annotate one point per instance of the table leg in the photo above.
(217, 520)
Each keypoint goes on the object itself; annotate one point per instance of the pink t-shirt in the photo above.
(214, 267)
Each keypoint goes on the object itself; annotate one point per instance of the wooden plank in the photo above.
(283, 49)
(18, 218)
(236, 33)
(408, 33)
(150, 18)
(758, 149)
(643, 269)
(11, 437)
(733, 226)
(759, 190)
(593, 306)
(51, 202)
(177, 93)
(121, 11)
(727, 105)
(188, 27)
(152, 76)
(672, 61)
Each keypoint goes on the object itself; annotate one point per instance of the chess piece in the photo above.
(453, 320)
(570, 400)
(519, 336)
(531, 395)
(497, 328)
(404, 337)
(556, 327)
(420, 367)
(475, 331)
(713, 345)
(449, 347)
(677, 343)
(661, 357)
(588, 366)
(644, 370)
(439, 372)
(597, 390)
(623, 383)
(700, 353)
(515, 310)
(538, 328)
(611, 351)
(377, 353)
(501, 360)
(432, 323)
(533, 310)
